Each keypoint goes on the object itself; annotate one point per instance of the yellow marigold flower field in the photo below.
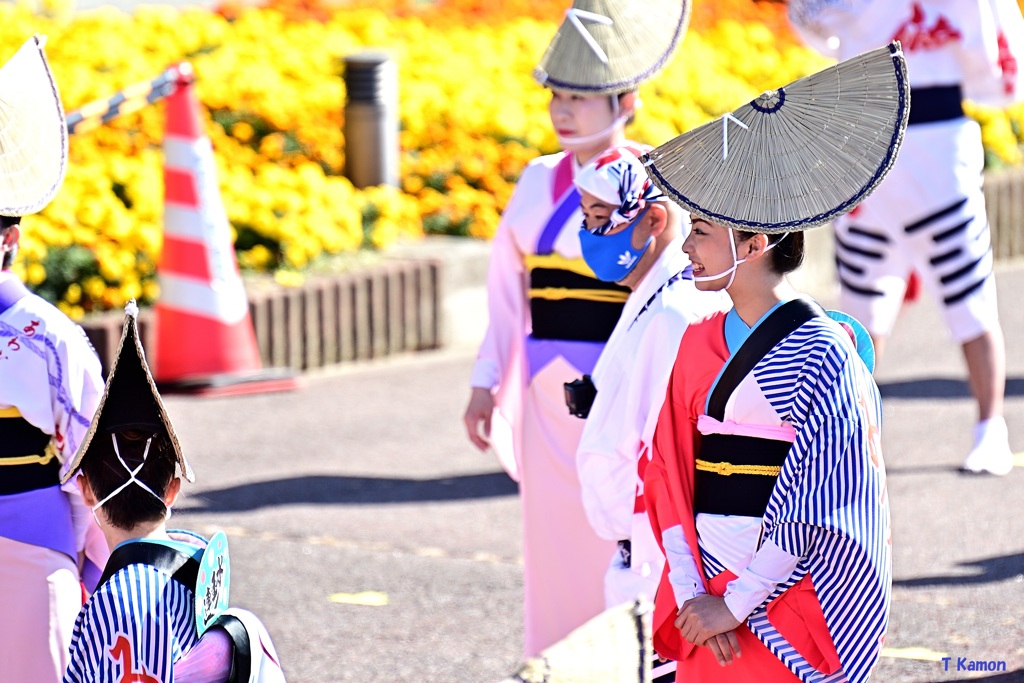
(269, 79)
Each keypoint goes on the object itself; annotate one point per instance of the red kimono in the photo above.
(703, 352)
(827, 508)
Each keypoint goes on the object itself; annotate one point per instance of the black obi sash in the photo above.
(28, 461)
(735, 475)
(568, 305)
(184, 569)
(937, 103)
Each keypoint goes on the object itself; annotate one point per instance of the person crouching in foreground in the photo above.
(140, 624)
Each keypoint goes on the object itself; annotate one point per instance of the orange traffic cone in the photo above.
(204, 340)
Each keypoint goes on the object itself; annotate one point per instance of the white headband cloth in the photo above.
(617, 178)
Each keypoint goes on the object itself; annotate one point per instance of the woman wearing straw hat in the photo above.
(549, 315)
(766, 486)
(50, 383)
(929, 216)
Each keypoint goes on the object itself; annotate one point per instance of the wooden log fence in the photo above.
(390, 308)
(1004, 198)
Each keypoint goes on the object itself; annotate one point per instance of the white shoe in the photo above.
(991, 453)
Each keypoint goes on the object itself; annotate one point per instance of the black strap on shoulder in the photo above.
(241, 656)
(181, 566)
(782, 322)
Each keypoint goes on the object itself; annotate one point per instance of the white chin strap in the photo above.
(570, 141)
(731, 272)
(131, 478)
(618, 123)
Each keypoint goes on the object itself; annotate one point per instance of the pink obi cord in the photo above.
(709, 425)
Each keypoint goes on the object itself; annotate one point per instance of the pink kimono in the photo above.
(549, 320)
(50, 384)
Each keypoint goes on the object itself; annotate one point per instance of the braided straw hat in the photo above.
(606, 47)
(796, 157)
(33, 135)
(130, 400)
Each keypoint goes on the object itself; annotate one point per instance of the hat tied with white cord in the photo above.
(131, 402)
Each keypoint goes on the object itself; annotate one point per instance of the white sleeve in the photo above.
(682, 568)
(993, 52)
(606, 466)
(608, 448)
(506, 303)
(663, 342)
(770, 566)
(613, 436)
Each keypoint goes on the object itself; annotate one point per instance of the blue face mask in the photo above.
(612, 257)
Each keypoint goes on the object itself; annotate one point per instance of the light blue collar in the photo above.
(736, 331)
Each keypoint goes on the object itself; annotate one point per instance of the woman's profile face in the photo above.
(576, 116)
(707, 245)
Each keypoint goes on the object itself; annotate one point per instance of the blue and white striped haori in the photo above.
(139, 621)
(829, 504)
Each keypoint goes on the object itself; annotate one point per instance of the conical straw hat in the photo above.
(611, 46)
(795, 157)
(33, 135)
(130, 400)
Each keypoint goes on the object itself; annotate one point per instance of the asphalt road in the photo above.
(378, 545)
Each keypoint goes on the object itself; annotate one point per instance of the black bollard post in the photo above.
(371, 119)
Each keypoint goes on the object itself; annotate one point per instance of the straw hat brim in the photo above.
(796, 157)
(33, 134)
(630, 45)
(130, 353)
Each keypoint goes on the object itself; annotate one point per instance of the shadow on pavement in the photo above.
(941, 387)
(334, 490)
(991, 570)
